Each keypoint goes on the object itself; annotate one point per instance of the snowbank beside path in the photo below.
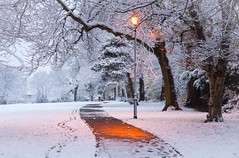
(184, 130)
(44, 131)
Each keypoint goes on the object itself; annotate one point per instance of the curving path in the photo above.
(117, 139)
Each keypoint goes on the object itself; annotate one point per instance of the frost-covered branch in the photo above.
(137, 6)
(14, 55)
(22, 14)
(88, 26)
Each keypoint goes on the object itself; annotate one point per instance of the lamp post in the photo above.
(135, 21)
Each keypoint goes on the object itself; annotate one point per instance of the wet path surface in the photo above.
(117, 139)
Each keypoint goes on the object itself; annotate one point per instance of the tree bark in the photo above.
(162, 95)
(130, 89)
(170, 94)
(115, 93)
(141, 89)
(75, 92)
(123, 93)
(103, 95)
(216, 77)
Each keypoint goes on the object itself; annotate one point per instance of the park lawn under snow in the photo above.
(185, 130)
(44, 131)
(56, 130)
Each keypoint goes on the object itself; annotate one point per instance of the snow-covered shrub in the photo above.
(3, 100)
(185, 76)
(231, 85)
(232, 105)
(41, 98)
(197, 89)
(198, 75)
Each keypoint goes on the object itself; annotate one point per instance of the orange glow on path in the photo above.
(107, 127)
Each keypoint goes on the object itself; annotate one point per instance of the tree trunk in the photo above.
(170, 94)
(162, 95)
(104, 98)
(216, 77)
(232, 81)
(75, 93)
(123, 93)
(141, 89)
(115, 93)
(130, 89)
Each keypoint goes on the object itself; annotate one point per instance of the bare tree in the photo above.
(41, 86)
(11, 85)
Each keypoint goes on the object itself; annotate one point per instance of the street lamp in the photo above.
(135, 21)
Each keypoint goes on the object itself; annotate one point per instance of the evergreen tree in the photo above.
(114, 63)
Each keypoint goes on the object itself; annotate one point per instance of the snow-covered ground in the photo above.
(44, 131)
(185, 130)
(57, 131)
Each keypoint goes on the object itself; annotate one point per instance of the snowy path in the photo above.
(117, 139)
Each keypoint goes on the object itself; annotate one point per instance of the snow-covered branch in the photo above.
(14, 55)
(88, 26)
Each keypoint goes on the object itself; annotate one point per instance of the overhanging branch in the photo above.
(88, 26)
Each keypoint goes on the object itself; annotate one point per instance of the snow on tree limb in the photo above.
(88, 26)
(14, 55)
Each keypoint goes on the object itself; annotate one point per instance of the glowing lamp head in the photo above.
(135, 20)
